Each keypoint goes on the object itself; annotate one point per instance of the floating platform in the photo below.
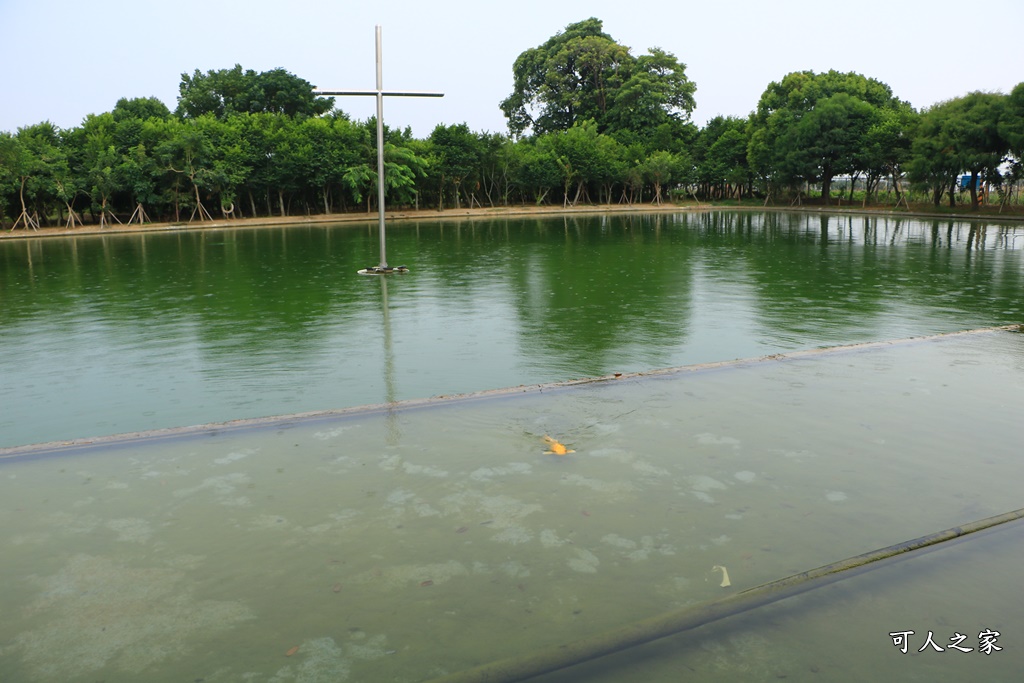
(386, 270)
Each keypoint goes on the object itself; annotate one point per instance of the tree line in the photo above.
(588, 122)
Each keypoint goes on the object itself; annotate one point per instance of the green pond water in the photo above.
(111, 334)
(411, 541)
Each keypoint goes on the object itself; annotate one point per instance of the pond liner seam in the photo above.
(687, 618)
(278, 421)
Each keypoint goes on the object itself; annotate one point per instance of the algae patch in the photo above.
(95, 613)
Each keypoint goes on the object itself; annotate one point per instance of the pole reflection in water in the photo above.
(390, 392)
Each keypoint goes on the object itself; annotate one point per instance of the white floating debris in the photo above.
(725, 575)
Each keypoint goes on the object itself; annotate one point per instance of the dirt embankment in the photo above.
(492, 212)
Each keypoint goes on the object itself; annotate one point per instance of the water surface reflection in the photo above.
(119, 333)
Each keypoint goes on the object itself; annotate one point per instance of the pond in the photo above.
(413, 541)
(119, 333)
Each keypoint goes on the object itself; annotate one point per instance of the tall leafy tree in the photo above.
(1011, 128)
(974, 128)
(1011, 124)
(663, 168)
(233, 91)
(31, 157)
(811, 127)
(16, 167)
(100, 161)
(578, 153)
(533, 169)
(961, 136)
(140, 108)
(888, 150)
(583, 74)
(456, 154)
(933, 165)
(720, 154)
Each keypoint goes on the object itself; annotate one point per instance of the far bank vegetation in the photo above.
(588, 123)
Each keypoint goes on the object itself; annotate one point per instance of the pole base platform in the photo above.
(385, 270)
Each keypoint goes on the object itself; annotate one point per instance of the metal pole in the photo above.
(379, 93)
(380, 150)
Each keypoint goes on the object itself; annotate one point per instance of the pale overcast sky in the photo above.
(64, 59)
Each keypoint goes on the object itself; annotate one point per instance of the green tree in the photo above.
(494, 179)
(331, 145)
(933, 165)
(534, 170)
(827, 141)
(456, 154)
(975, 132)
(662, 168)
(811, 127)
(584, 74)
(100, 161)
(405, 165)
(656, 93)
(16, 166)
(578, 153)
(194, 152)
(30, 158)
(720, 155)
(1011, 128)
(1011, 124)
(140, 108)
(961, 135)
(889, 144)
(231, 91)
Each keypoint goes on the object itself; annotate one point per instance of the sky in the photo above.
(65, 59)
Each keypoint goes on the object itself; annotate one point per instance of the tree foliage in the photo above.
(231, 91)
(609, 128)
(811, 127)
(962, 135)
(583, 74)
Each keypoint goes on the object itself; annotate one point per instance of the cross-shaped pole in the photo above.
(380, 93)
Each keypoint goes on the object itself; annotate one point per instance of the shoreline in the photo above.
(489, 212)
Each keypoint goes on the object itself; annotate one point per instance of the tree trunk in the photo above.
(24, 216)
(579, 189)
(139, 213)
(73, 217)
(200, 209)
(826, 188)
(280, 201)
(974, 191)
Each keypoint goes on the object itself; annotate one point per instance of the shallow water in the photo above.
(405, 543)
(110, 334)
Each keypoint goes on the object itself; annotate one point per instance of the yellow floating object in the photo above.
(725, 575)
(556, 447)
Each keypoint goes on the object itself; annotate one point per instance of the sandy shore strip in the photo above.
(360, 218)
(475, 213)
